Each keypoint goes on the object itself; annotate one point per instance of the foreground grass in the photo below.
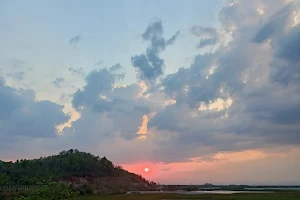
(269, 196)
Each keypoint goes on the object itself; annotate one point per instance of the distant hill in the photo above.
(83, 171)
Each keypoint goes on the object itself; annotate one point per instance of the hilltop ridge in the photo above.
(83, 171)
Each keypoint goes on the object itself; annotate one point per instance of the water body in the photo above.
(197, 192)
(275, 188)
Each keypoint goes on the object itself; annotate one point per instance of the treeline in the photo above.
(49, 190)
(58, 167)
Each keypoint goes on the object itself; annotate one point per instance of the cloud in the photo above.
(244, 72)
(78, 71)
(284, 38)
(75, 40)
(191, 84)
(143, 128)
(285, 64)
(18, 76)
(115, 67)
(288, 46)
(20, 109)
(9, 101)
(13, 63)
(276, 23)
(209, 36)
(58, 81)
(149, 65)
(101, 99)
(65, 97)
(98, 63)
(98, 82)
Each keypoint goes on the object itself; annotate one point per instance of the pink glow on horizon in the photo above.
(225, 168)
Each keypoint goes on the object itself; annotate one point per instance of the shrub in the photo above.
(50, 191)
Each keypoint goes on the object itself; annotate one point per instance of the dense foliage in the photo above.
(50, 191)
(60, 167)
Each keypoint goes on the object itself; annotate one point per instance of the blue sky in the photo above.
(143, 78)
(110, 30)
(38, 33)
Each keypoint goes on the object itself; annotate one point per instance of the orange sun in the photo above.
(146, 169)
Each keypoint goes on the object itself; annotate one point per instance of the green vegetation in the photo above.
(83, 172)
(269, 196)
(50, 191)
(64, 166)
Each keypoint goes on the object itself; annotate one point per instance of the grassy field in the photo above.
(269, 196)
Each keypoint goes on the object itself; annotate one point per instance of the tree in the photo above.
(66, 166)
(50, 191)
(3, 179)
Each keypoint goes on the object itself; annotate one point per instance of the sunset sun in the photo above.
(146, 169)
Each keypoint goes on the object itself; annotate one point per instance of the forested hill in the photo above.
(72, 166)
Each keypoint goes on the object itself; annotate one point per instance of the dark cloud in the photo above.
(276, 24)
(207, 42)
(9, 101)
(285, 72)
(288, 47)
(116, 70)
(75, 40)
(98, 82)
(58, 81)
(173, 38)
(285, 65)
(285, 41)
(155, 29)
(266, 31)
(149, 65)
(18, 108)
(191, 85)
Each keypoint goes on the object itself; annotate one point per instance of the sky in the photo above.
(195, 91)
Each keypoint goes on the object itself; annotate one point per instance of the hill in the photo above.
(83, 171)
